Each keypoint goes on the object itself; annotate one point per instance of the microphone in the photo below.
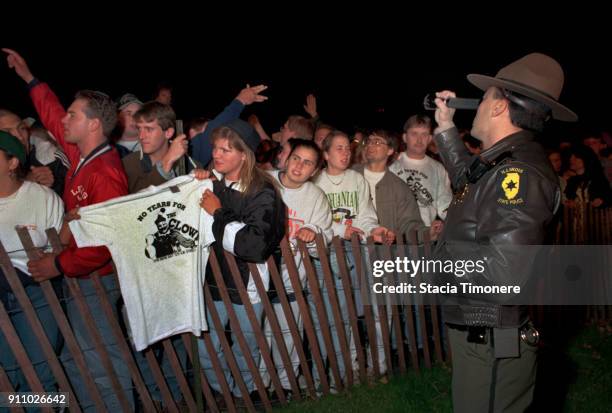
(455, 103)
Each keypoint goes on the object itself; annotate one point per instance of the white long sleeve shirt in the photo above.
(349, 198)
(430, 183)
(307, 207)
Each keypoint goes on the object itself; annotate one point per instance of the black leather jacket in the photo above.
(509, 205)
(264, 215)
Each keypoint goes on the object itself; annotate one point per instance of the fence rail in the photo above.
(337, 341)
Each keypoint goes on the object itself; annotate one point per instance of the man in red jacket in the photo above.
(95, 175)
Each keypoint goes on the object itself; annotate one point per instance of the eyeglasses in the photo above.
(376, 142)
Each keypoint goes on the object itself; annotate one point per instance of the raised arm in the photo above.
(453, 152)
(48, 106)
(201, 145)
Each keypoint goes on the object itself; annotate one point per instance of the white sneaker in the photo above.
(302, 382)
(332, 385)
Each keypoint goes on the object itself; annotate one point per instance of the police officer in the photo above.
(504, 199)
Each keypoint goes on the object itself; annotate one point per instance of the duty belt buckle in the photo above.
(460, 195)
(530, 335)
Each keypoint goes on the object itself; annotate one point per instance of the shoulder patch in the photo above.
(511, 184)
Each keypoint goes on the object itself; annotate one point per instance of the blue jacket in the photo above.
(201, 148)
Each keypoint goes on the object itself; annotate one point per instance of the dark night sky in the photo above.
(359, 81)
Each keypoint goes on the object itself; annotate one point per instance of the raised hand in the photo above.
(15, 61)
(178, 148)
(311, 106)
(444, 114)
(250, 94)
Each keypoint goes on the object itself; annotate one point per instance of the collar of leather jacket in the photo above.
(498, 153)
(507, 144)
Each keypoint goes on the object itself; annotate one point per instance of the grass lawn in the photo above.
(578, 379)
(591, 361)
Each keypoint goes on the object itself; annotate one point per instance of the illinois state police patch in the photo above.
(511, 186)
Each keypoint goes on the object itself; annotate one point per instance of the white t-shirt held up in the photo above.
(159, 242)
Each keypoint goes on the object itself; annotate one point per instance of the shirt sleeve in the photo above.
(55, 212)
(51, 113)
(253, 233)
(166, 175)
(367, 220)
(76, 261)
(320, 222)
(207, 236)
(455, 156)
(408, 213)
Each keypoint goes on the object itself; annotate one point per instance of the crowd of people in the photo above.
(305, 180)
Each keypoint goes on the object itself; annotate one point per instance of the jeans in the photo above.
(289, 344)
(249, 335)
(92, 358)
(343, 305)
(29, 340)
(164, 364)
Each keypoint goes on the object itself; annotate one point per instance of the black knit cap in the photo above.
(246, 132)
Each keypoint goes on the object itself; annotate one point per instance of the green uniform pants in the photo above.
(482, 383)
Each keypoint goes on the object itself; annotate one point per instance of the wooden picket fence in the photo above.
(398, 356)
(403, 351)
(580, 225)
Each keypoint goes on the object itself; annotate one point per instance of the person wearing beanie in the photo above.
(46, 163)
(95, 175)
(13, 147)
(201, 145)
(127, 138)
(249, 222)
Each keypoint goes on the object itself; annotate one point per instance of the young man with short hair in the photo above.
(425, 176)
